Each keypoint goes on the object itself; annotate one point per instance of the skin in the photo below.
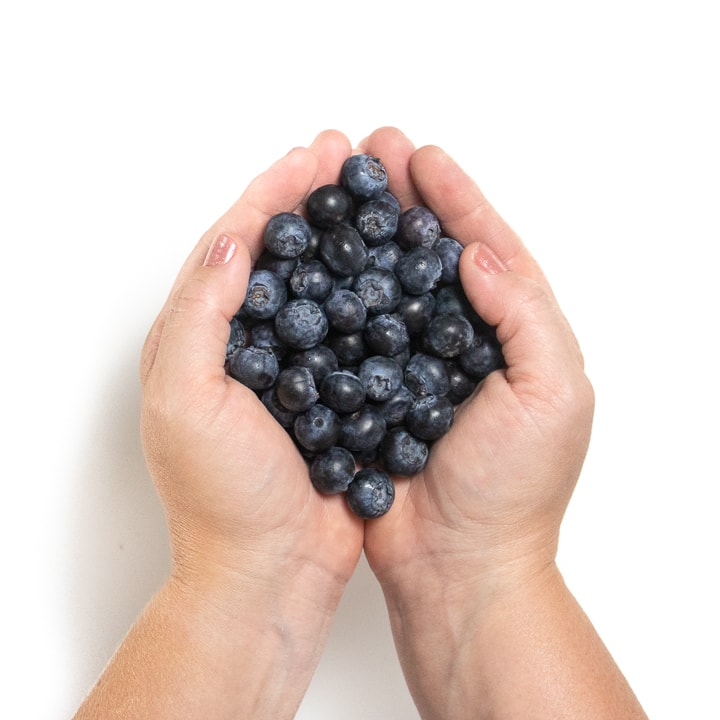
(483, 623)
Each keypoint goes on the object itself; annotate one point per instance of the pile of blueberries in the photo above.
(356, 335)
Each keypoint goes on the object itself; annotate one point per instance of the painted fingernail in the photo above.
(487, 260)
(221, 250)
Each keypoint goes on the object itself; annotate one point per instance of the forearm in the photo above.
(531, 655)
(207, 650)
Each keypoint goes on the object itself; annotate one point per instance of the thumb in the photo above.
(540, 350)
(190, 340)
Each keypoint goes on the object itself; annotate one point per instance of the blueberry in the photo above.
(419, 270)
(448, 335)
(427, 375)
(342, 391)
(345, 311)
(381, 377)
(264, 335)
(371, 493)
(332, 470)
(343, 250)
(379, 289)
(390, 199)
(418, 227)
(416, 311)
(317, 429)
(364, 176)
(376, 221)
(237, 337)
(329, 205)
(430, 417)
(319, 360)
(295, 389)
(451, 300)
(311, 279)
(403, 453)
(449, 251)
(349, 348)
(301, 323)
(462, 384)
(395, 409)
(257, 368)
(282, 415)
(281, 266)
(363, 429)
(266, 293)
(287, 235)
(483, 356)
(386, 334)
(384, 256)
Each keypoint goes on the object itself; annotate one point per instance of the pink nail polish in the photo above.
(221, 250)
(487, 260)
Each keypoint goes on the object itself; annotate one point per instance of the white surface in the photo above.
(127, 129)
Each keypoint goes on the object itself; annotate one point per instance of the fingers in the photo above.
(282, 187)
(464, 211)
(541, 352)
(394, 150)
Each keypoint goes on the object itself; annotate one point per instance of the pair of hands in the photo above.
(485, 511)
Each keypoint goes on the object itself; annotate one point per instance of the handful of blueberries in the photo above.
(357, 336)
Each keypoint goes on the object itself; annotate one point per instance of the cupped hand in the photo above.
(235, 489)
(488, 504)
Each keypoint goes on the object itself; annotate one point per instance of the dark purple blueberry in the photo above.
(418, 270)
(483, 356)
(379, 289)
(287, 235)
(384, 256)
(371, 493)
(416, 311)
(430, 417)
(343, 250)
(256, 368)
(329, 205)
(449, 251)
(301, 323)
(285, 417)
(417, 227)
(345, 311)
(281, 266)
(311, 279)
(264, 335)
(342, 391)
(332, 470)
(376, 221)
(313, 247)
(448, 335)
(295, 388)
(427, 375)
(319, 360)
(389, 198)
(266, 293)
(363, 176)
(386, 334)
(403, 453)
(462, 385)
(395, 409)
(349, 348)
(317, 429)
(237, 337)
(381, 377)
(362, 430)
(451, 300)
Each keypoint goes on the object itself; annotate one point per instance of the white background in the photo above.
(128, 128)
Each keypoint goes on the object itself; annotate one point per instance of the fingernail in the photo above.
(487, 260)
(221, 250)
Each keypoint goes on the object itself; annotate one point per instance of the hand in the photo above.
(236, 491)
(494, 490)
